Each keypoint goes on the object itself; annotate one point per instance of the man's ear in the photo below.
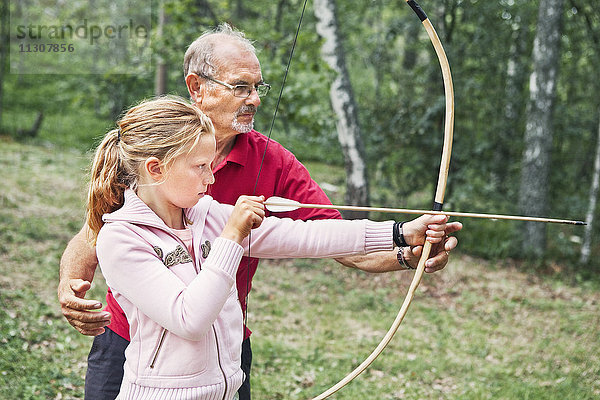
(155, 169)
(194, 86)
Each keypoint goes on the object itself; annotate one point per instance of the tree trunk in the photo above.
(533, 199)
(35, 128)
(160, 75)
(342, 101)
(411, 48)
(593, 198)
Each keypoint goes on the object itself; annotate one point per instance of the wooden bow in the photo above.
(437, 205)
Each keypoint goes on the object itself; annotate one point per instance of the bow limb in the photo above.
(437, 205)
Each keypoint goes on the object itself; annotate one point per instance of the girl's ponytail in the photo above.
(107, 182)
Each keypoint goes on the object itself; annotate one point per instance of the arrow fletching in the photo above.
(279, 204)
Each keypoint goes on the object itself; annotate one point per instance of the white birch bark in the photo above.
(344, 106)
(593, 198)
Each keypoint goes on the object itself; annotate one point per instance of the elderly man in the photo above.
(224, 79)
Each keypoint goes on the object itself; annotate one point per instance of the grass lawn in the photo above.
(477, 330)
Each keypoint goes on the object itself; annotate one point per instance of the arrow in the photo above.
(279, 204)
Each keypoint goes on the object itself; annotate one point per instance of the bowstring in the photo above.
(287, 69)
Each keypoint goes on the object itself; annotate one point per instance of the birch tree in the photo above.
(344, 106)
(533, 192)
(592, 200)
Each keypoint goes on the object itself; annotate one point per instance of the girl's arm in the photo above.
(286, 238)
(274, 237)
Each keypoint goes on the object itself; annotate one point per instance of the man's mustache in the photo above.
(246, 109)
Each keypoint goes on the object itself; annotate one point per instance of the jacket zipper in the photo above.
(220, 365)
(160, 343)
(164, 331)
(186, 249)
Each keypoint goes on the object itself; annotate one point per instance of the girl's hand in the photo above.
(440, 252)
(427, 227)
(247, 214)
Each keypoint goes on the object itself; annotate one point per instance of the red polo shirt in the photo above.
(281, 175)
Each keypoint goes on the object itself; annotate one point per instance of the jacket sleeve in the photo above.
(142, 283)
(287, 238)
(327, 238)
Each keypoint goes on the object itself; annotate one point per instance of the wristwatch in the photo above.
(401, 260)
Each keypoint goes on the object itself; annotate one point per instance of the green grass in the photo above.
(477, 330)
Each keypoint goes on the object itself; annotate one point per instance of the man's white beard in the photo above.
(240, 127)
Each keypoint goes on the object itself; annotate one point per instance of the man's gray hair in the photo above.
(200, 56)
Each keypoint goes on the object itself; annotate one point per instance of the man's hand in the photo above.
(77, 268)
(80, 312)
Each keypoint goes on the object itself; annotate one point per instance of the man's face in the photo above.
(232, 115)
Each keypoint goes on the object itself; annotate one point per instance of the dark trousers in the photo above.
(244, 390)
(105, 367)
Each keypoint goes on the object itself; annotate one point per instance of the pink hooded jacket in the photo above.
(185, 319)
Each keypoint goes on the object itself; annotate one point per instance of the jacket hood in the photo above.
(135, 211)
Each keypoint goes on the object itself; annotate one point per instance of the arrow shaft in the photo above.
(413, 211)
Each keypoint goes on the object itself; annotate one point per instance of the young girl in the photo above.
(170, 254)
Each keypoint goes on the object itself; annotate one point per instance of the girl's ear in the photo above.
(154, 168)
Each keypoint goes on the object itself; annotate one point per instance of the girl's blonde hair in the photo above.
(165, 128)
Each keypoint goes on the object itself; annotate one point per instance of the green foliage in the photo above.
(305, 122)
(398, 88)
(76, 111)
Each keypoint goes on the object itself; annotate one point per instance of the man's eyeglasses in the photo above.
(243, 91)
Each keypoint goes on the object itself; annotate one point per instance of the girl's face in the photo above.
(190, 174)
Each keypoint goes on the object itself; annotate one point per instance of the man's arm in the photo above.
(386, 261)
(77, 268)
(381, 261)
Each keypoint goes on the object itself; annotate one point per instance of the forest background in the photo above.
(395, 82)
(397, 89)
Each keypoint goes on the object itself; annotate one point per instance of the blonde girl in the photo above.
(170, 253)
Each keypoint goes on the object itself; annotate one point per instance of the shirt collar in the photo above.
(239, 152)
